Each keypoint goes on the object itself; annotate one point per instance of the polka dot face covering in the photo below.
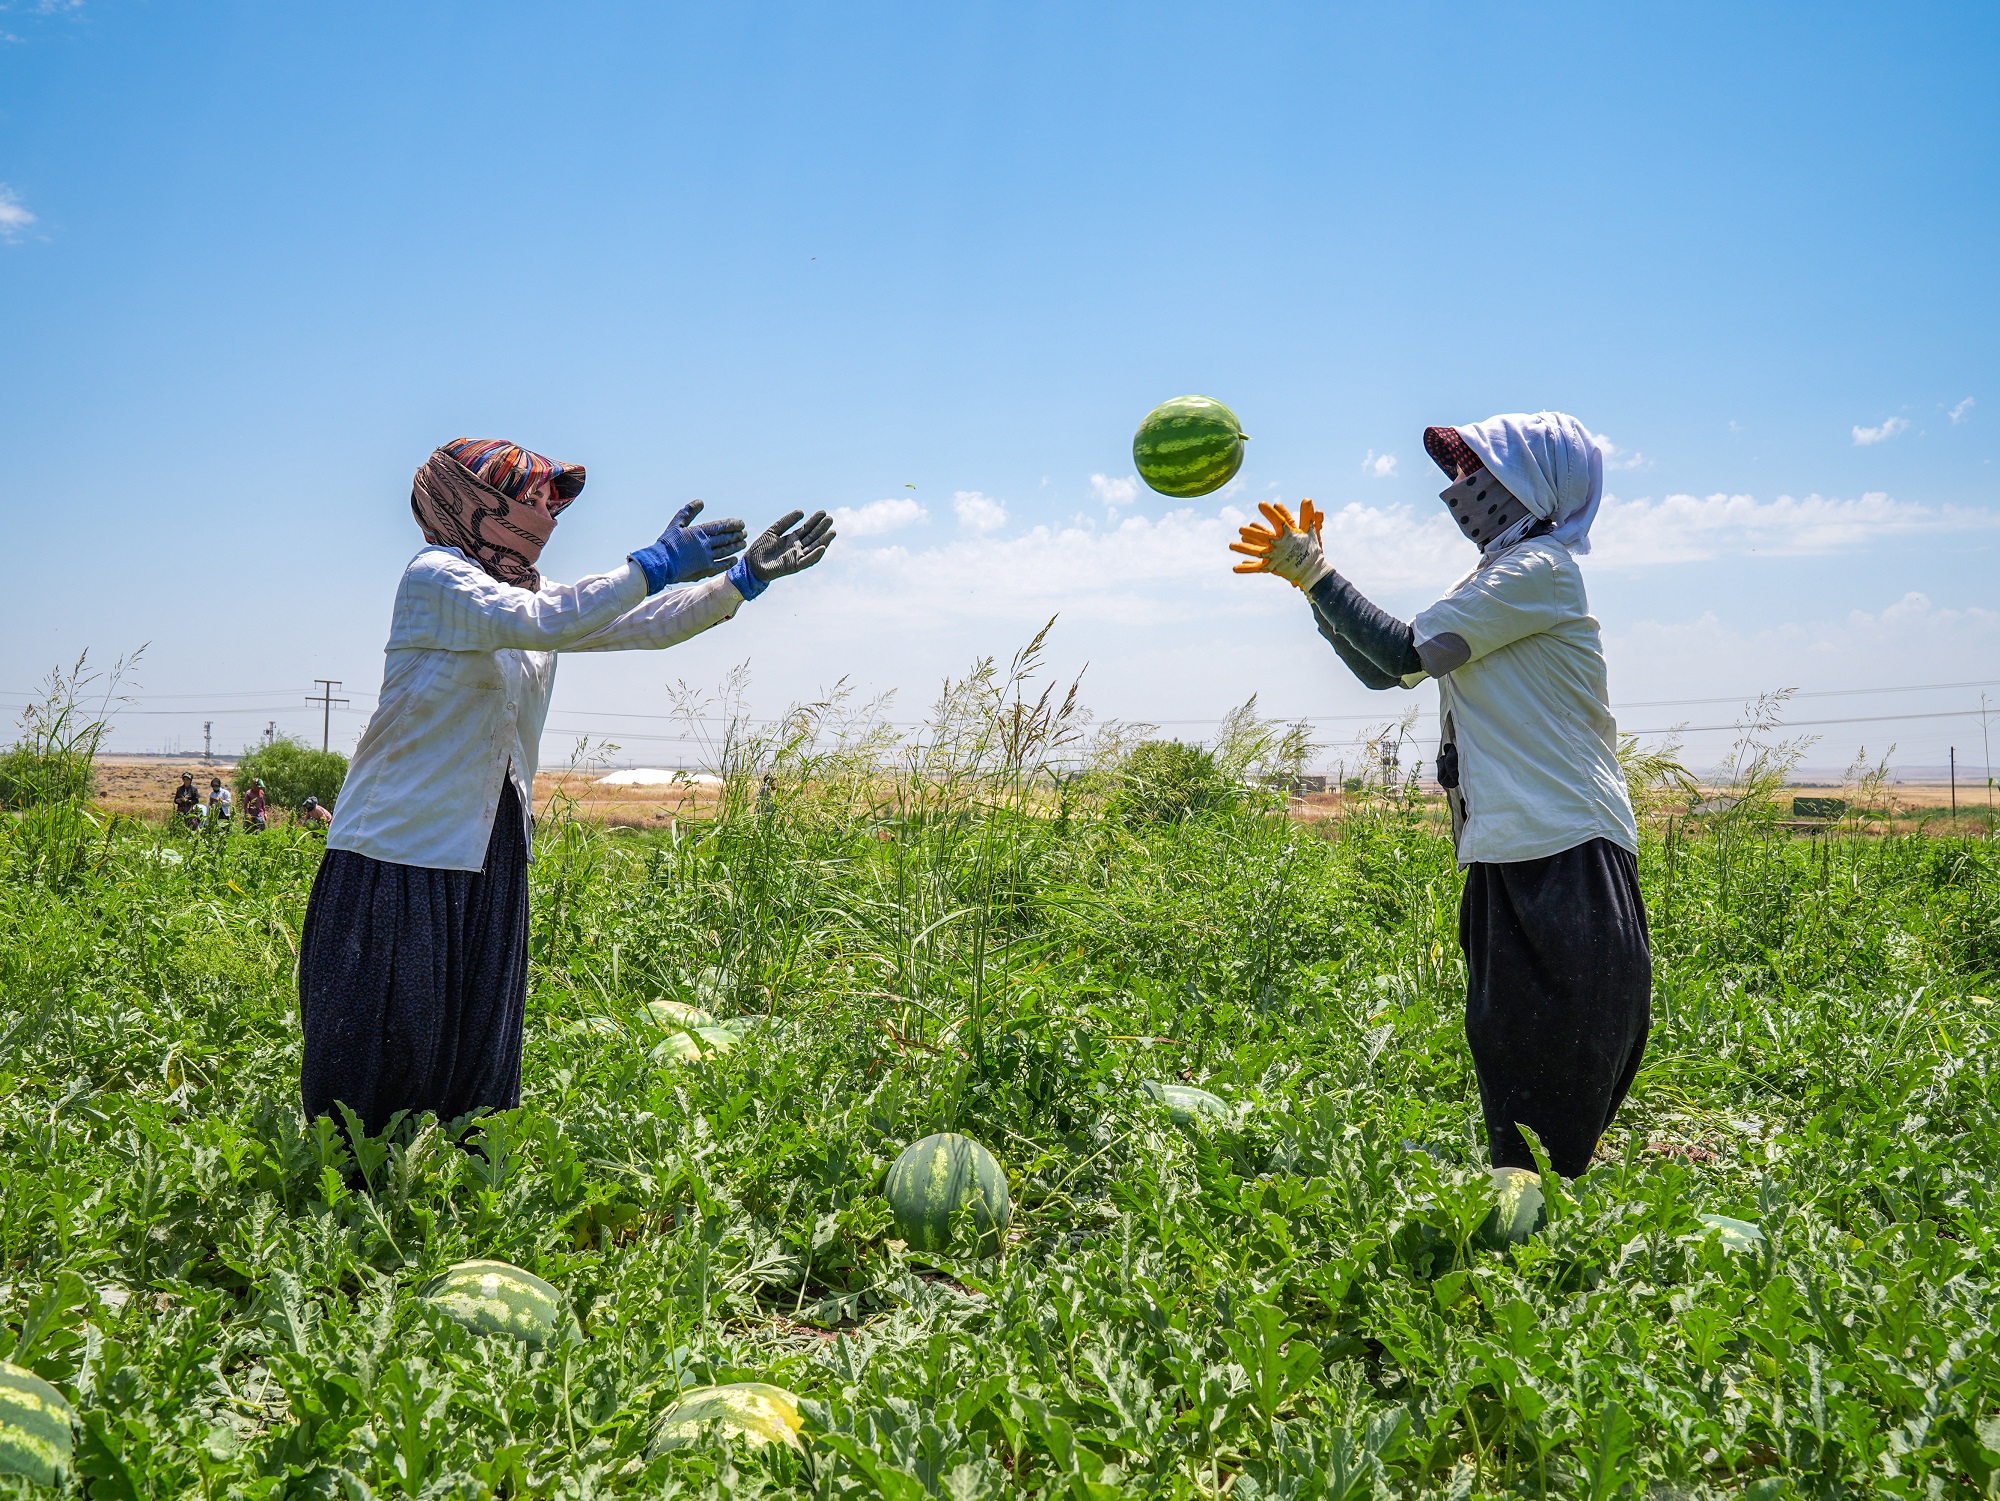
(1484, 508)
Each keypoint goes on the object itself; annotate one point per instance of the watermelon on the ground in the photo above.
(1186, 1105)
(679, 1014)
(1737, 1235)
(1517, 1203)
(493, 1297)
(1189, 446)
(696, 1043)
(753, 1410)
(933, 1177)
(35, 1436)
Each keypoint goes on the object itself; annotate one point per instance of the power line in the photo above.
(1738, 698)
(1654, 703)
(1807, 724)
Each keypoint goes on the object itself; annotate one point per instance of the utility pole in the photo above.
(1986, 744)
(1954, 789)
(326, 701)
(271, 732)
(208, 742)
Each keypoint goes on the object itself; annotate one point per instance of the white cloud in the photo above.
(1958, 412)
(978, 513)
(1690, 528)
(1621, 458)
(1138, 570)
(1863, 436)
(14, 216)
(1175, 568)
(878, 516)
(1378, 465)
(1115, 492)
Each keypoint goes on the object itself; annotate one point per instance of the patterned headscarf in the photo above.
(467, 496)
(1450, 452)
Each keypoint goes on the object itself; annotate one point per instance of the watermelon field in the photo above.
(1304, 1293)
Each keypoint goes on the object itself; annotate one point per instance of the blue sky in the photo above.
(259, 260)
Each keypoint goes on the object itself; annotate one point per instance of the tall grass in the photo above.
(48, 777)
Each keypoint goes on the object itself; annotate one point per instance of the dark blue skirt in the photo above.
(413, 982)
(1559, 972)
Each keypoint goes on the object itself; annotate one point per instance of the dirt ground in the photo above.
(143, 787)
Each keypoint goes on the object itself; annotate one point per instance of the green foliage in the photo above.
(292, 771)
(1164, 781)
(1304, 1298)
(32, 778)
(53, 762)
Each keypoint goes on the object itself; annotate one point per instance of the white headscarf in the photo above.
(1549, 462)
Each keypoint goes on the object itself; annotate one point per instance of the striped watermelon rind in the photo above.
(696, 1043)
(679, 1014)
(1186, 1105)
(755, 1411)
(933, 1178)
(35, 1435)
(494, 1297)
(1518, 1205)
(1188, 446)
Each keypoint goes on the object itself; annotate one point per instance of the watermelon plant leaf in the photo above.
(1609, 1441)
(45, 1321)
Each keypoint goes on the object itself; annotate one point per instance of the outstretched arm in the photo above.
(1370, 675)
(1389, 643)
(1387, 647)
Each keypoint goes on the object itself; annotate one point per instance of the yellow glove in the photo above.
(1287, 548)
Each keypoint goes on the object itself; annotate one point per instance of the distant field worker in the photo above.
(1558, 961)
(313, 815)
(256, 806)
(413, 966)
(187, 801)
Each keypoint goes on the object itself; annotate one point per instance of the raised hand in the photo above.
(687, 551)
(1288, 548)
(779, 550)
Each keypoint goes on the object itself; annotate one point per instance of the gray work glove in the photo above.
(779, 551)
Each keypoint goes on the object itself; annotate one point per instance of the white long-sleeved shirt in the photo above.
(1529, 710)
(471, 664)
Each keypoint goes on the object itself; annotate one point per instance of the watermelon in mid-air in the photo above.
(492, 1297)
(752, 1410)
(1189, 446)
(933, 1178)
(35, 1437)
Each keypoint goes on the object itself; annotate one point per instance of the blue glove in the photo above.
(687, 552)
(747, 583)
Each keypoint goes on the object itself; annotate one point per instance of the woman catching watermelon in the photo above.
(1558, 964)
(413, 965)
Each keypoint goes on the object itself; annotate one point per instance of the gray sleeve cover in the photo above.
(1385, 641)
(1370, 675)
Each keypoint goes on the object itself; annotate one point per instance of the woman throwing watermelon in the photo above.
(1558, 964)
(413, 966)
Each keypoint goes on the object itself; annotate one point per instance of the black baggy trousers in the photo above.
(1559, 983)
(413, 982)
